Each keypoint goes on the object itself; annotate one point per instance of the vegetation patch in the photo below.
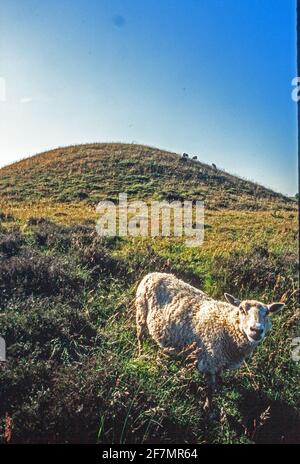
(73, 374)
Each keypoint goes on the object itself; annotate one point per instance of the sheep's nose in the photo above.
(257, 330)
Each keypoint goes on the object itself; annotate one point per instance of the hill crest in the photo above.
(92, 172)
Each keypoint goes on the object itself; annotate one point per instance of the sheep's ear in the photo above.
(232, 300)
(275, 307)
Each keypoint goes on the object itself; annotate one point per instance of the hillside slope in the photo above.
(66, 303)
(92, 172)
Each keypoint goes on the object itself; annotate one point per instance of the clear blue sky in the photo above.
(209, 77)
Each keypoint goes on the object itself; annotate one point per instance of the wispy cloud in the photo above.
(38, 98)
(24, 100)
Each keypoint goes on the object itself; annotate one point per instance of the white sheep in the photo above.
(179, 316)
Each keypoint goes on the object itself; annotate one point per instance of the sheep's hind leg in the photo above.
(211, 384)
(141, 322)
(140, 331)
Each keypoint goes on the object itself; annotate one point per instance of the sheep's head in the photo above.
(254, 316)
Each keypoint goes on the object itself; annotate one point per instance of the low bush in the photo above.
(10, 243)
(258, 271)
(31, 273)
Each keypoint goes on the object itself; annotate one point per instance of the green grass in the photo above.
(80, 174)
(73, 374)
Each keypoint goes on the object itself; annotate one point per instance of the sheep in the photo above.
(180, 317)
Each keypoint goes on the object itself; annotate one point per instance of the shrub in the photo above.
(100, 262)
(11, 243)
(31, 273)
(53, 236)
(258, 271)
(52, 330)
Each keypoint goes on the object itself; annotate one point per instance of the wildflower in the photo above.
(7, 429)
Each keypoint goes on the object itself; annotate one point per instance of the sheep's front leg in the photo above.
(211, 385)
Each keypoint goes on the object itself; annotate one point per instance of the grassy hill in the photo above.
(67, 314)
(93, 172)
